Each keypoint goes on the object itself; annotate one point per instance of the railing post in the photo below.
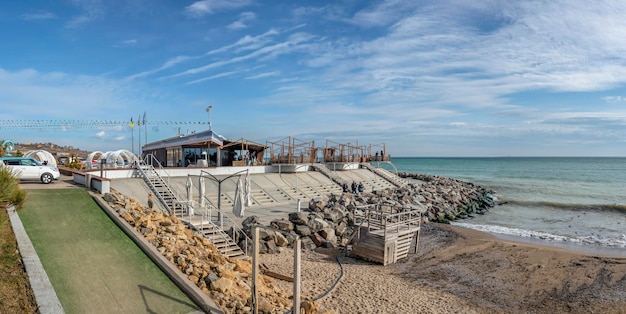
(297, 252)
(255, 270)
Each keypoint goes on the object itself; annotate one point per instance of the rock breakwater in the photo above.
(449, 199)
(330, 221)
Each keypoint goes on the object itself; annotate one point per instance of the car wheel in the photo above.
(46, 178)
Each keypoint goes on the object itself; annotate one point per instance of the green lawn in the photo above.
(93, 266)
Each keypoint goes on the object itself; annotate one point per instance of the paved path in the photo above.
(64, 182)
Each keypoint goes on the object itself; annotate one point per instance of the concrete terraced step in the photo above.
(261, 198)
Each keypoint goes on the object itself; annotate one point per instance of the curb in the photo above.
(45, 296)
(193, 292)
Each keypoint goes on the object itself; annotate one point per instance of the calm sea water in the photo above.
(578, 203)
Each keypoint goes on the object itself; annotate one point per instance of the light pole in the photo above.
(208, 110)
(219, 191)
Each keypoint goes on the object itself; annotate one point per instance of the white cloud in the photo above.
(90, 10)
(383, 13)
(263, 75)
(38, 16)
(248, 42)
(101, 134)
(241, 22)
(245, 43)
(61, 95)
(614, 99)
(281, 48)
(207, 7)
(236, 25)
(126, 43)
(212, 77)
(168, 64)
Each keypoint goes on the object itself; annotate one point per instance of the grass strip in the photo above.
(93, 266)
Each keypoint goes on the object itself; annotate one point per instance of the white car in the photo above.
(30, 169)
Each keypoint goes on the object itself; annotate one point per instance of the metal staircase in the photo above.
(325, 171)
(392, 178)
(162, 191)
(222, 241)
(160, 188)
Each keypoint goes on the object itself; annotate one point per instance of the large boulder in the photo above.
(280, 239)
(317, 224)
(282, 224)
(318, 204)
(328, 234)
(308, 244)
(341, 229)
(111, 198)
(249, 222)
(302, 230)
(333, 215)
(299, 218)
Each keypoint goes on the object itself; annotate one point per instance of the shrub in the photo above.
(10, 192)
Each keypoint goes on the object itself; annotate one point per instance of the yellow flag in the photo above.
(132, 125)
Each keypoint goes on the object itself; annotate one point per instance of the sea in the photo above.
(576, 203)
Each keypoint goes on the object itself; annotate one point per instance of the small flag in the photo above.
(132, 125)
(138, 121)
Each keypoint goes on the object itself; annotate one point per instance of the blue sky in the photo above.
(427, 78)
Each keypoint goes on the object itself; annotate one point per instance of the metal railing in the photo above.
(207, 217)
(150, 160)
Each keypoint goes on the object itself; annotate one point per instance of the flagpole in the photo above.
(132, 136)
(145, 128)
(139, 133)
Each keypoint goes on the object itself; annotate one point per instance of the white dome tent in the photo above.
(43, 156)
(119, 159)
(89, 164)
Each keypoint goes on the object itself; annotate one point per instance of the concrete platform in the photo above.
(273, 194)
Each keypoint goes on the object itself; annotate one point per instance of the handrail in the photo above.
(153, 188)
(393, 178)
(185, 213)
(208, 214)
(164, 170)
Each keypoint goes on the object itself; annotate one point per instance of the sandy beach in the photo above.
(458, 270)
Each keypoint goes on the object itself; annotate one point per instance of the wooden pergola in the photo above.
(377, 152)
(255, 150)
(290, 150)
(337, 152)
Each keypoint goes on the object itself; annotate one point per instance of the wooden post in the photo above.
(297, 252)
(255, 270)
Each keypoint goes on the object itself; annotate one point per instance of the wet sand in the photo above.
(458, 270)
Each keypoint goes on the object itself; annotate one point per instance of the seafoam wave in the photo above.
(599, 207)
(591, 240)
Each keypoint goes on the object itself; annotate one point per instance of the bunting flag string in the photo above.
(63, 124)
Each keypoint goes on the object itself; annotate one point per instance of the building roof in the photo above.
(206, 138)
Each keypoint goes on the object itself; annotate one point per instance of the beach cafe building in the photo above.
(204, 149)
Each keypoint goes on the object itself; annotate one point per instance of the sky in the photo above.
(426, 78)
